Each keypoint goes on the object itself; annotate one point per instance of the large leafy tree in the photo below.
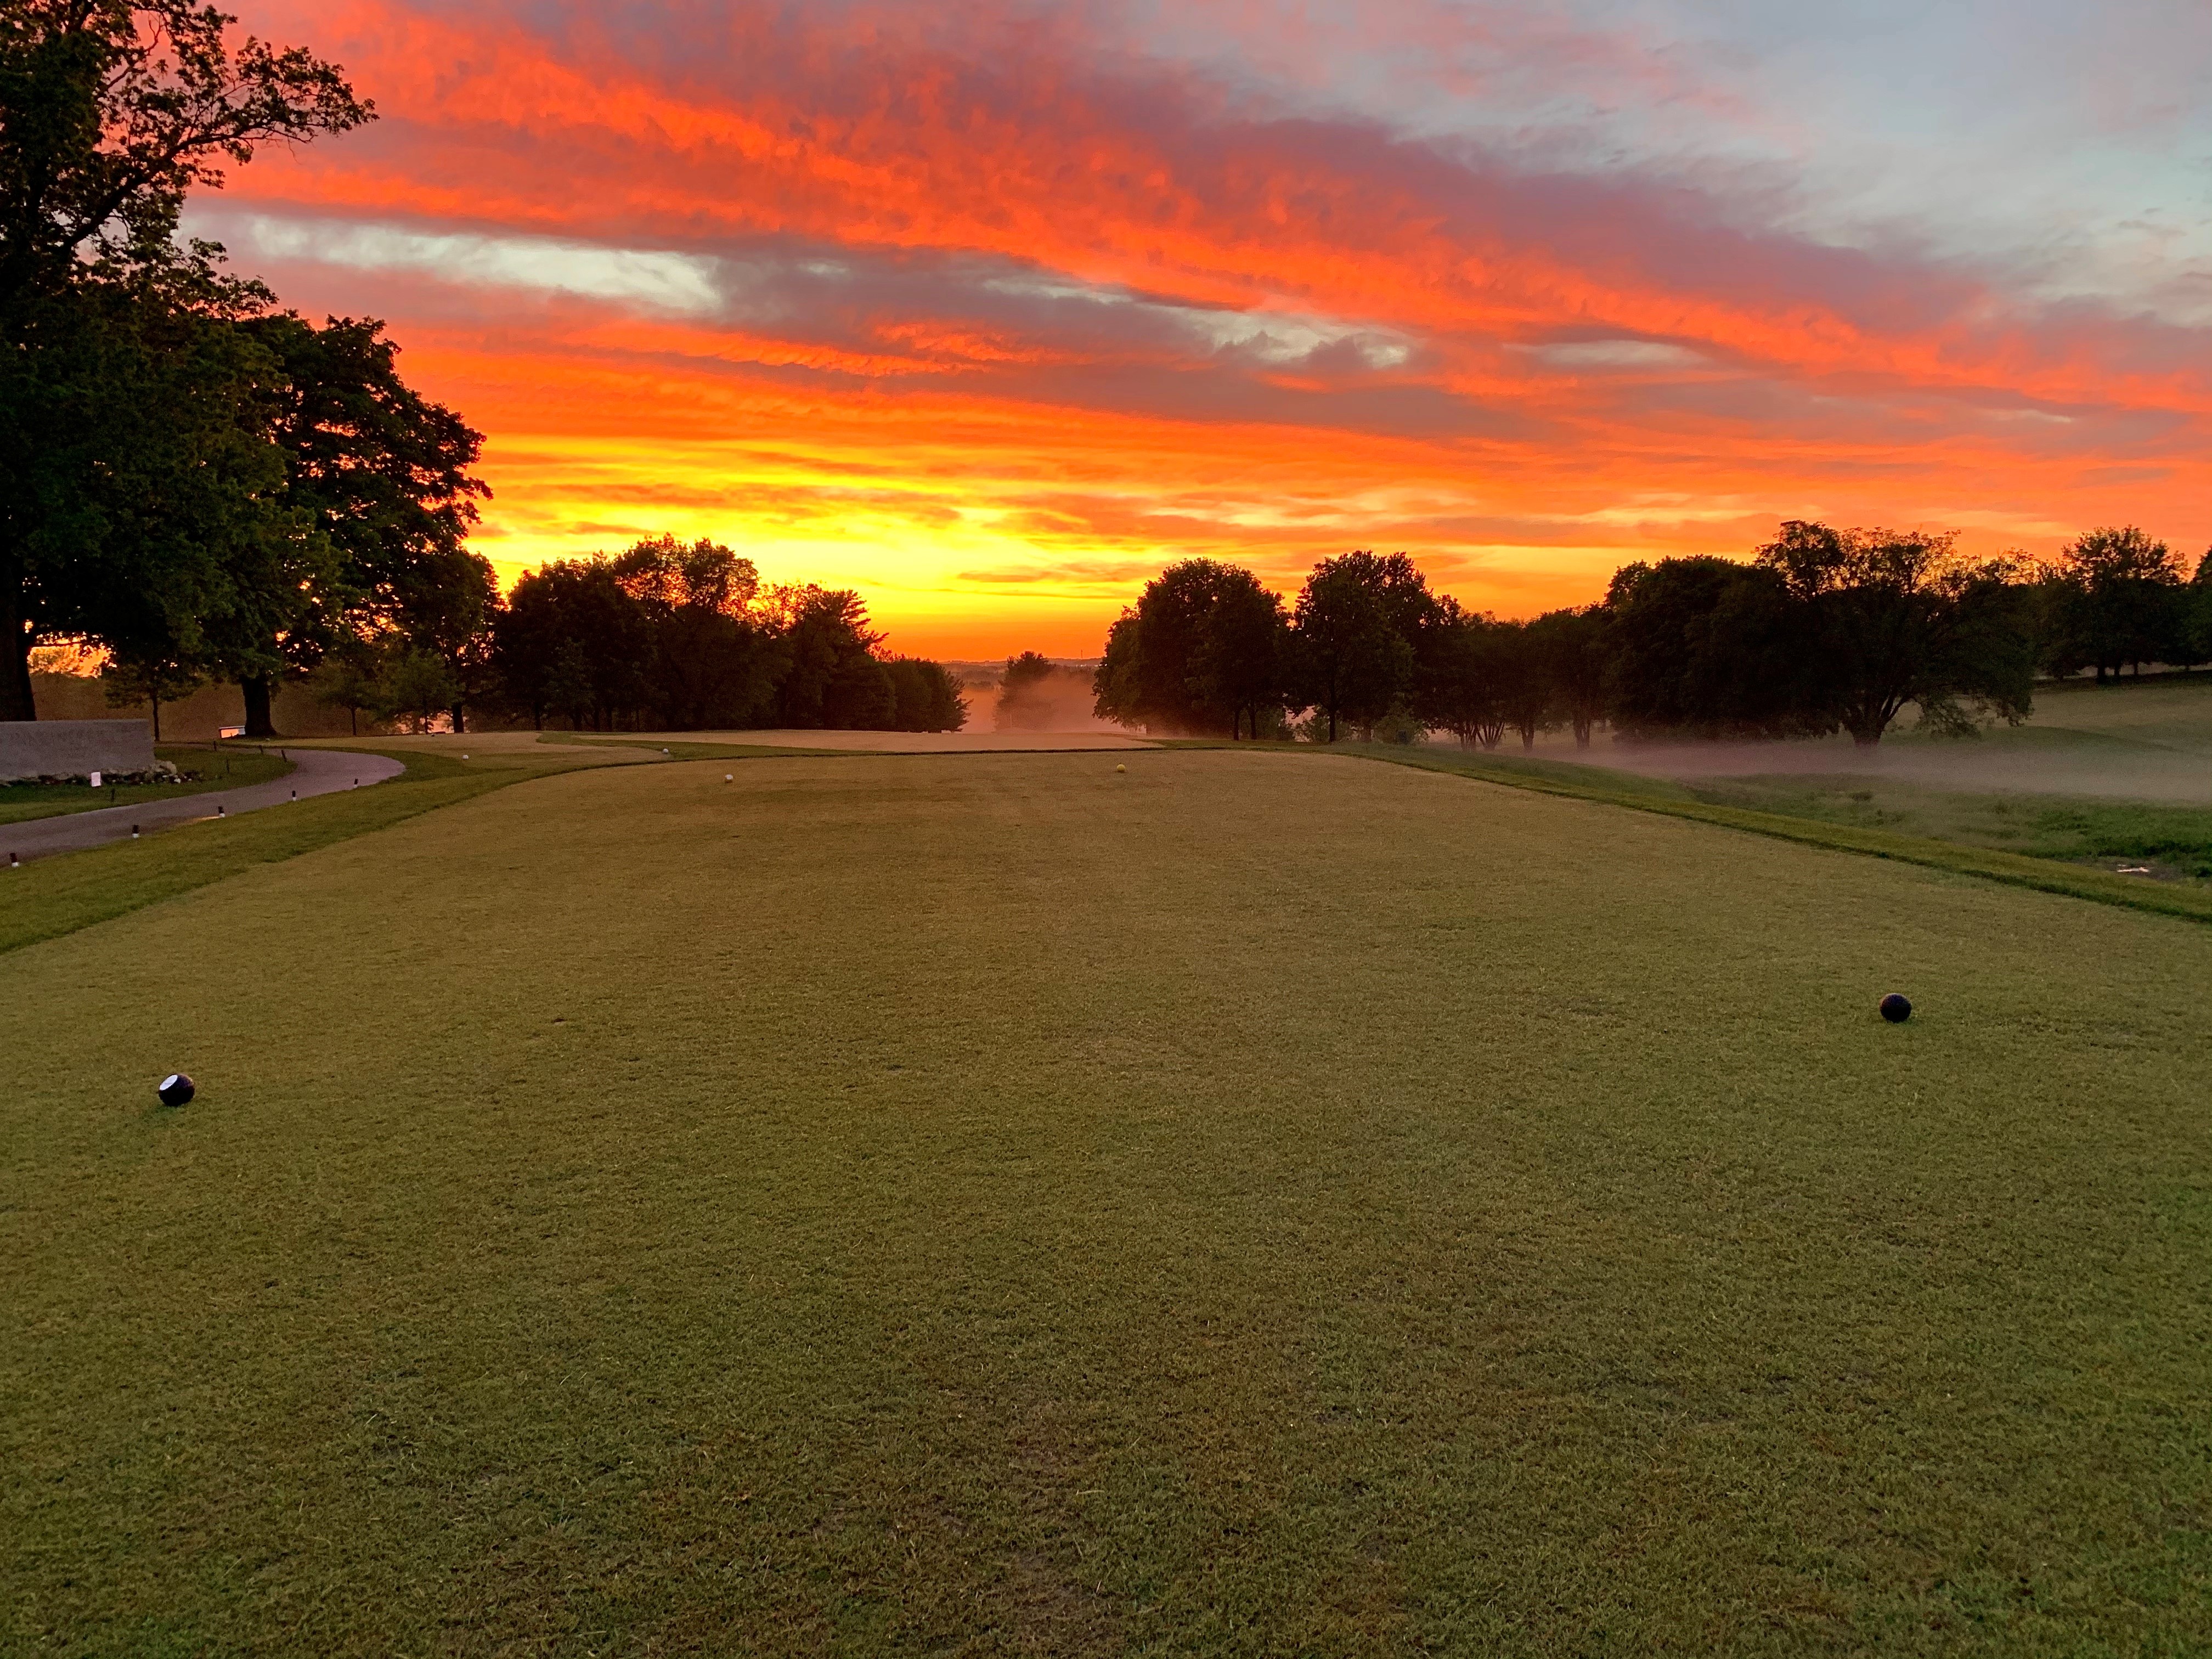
(1894, 618)
(1706, 647)
(1203, 649)
(573, 641)
(384, 476)
(925, 696)
(117, 388)
(1573, 648)
(1462, 685)
(833, 678)
(1361, 621)
(2117, 598)
(714, 662)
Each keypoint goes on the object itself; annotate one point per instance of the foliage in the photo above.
(1358, 618)
(1202, 653)
(2116, 597)
(670, 637)
(1890, 617)
(1021, 706)
(925, 696)
(138, 486)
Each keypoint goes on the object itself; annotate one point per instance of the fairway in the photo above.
(1255, 1203)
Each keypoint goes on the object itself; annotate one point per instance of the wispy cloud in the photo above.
(937, 301)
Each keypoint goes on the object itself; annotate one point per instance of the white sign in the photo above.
(95, 780)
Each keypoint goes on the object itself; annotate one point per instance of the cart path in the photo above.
(315, 772)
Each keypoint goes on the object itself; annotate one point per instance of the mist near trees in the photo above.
(1821, 630)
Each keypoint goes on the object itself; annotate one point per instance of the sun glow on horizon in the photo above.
(989, 317)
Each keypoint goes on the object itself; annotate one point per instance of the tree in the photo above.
(1201, 650)
(115, 373)
(1707, 648)
(383, 475)
(1896, 618)
(1572, 648)
(2118, 599)
(1463, 684)
(572, 641)
(925, 697)
(1357, 622)
(168, 679)
(1022, 705)
(414, 685)
(1527, 692)
(2199, 605)
(1241, 657)
(834, 680)
(714, 661)
(346, 678)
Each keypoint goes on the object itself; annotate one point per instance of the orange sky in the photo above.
(988, 315)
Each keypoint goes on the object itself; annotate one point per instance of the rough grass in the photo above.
(234, 770)
(2173, 841)
(1251, 1204)
(1769, 806)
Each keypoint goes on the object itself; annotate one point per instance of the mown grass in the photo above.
(236, 769)
(1250, 1203)
(57, 895)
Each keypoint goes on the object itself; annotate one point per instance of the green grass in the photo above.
(1253, 1204)
(52, 896)
(677, 750)
(2174, 839)
(2170, 710)
(1777, 813)
(233, 770)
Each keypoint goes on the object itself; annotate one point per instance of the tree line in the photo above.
(1821, 630)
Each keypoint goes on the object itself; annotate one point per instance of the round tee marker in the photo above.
(175, 1089)
(1118, 768)
(1896, 1009)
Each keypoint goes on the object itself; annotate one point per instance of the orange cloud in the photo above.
(986, 333)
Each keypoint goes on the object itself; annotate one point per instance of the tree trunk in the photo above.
(353, 720)
(15, 703)
(154, 697)
(260, 692)
(458, 727)
(1582, 734)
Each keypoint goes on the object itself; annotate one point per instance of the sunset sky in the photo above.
(990, 309)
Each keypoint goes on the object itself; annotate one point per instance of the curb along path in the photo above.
(315, 772)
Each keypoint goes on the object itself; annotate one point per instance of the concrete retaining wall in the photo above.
(71, 748)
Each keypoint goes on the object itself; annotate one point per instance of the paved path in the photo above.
(315, 772)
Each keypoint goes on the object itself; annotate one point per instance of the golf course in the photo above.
(1192, 1201)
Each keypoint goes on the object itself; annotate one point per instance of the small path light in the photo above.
(134, 832)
